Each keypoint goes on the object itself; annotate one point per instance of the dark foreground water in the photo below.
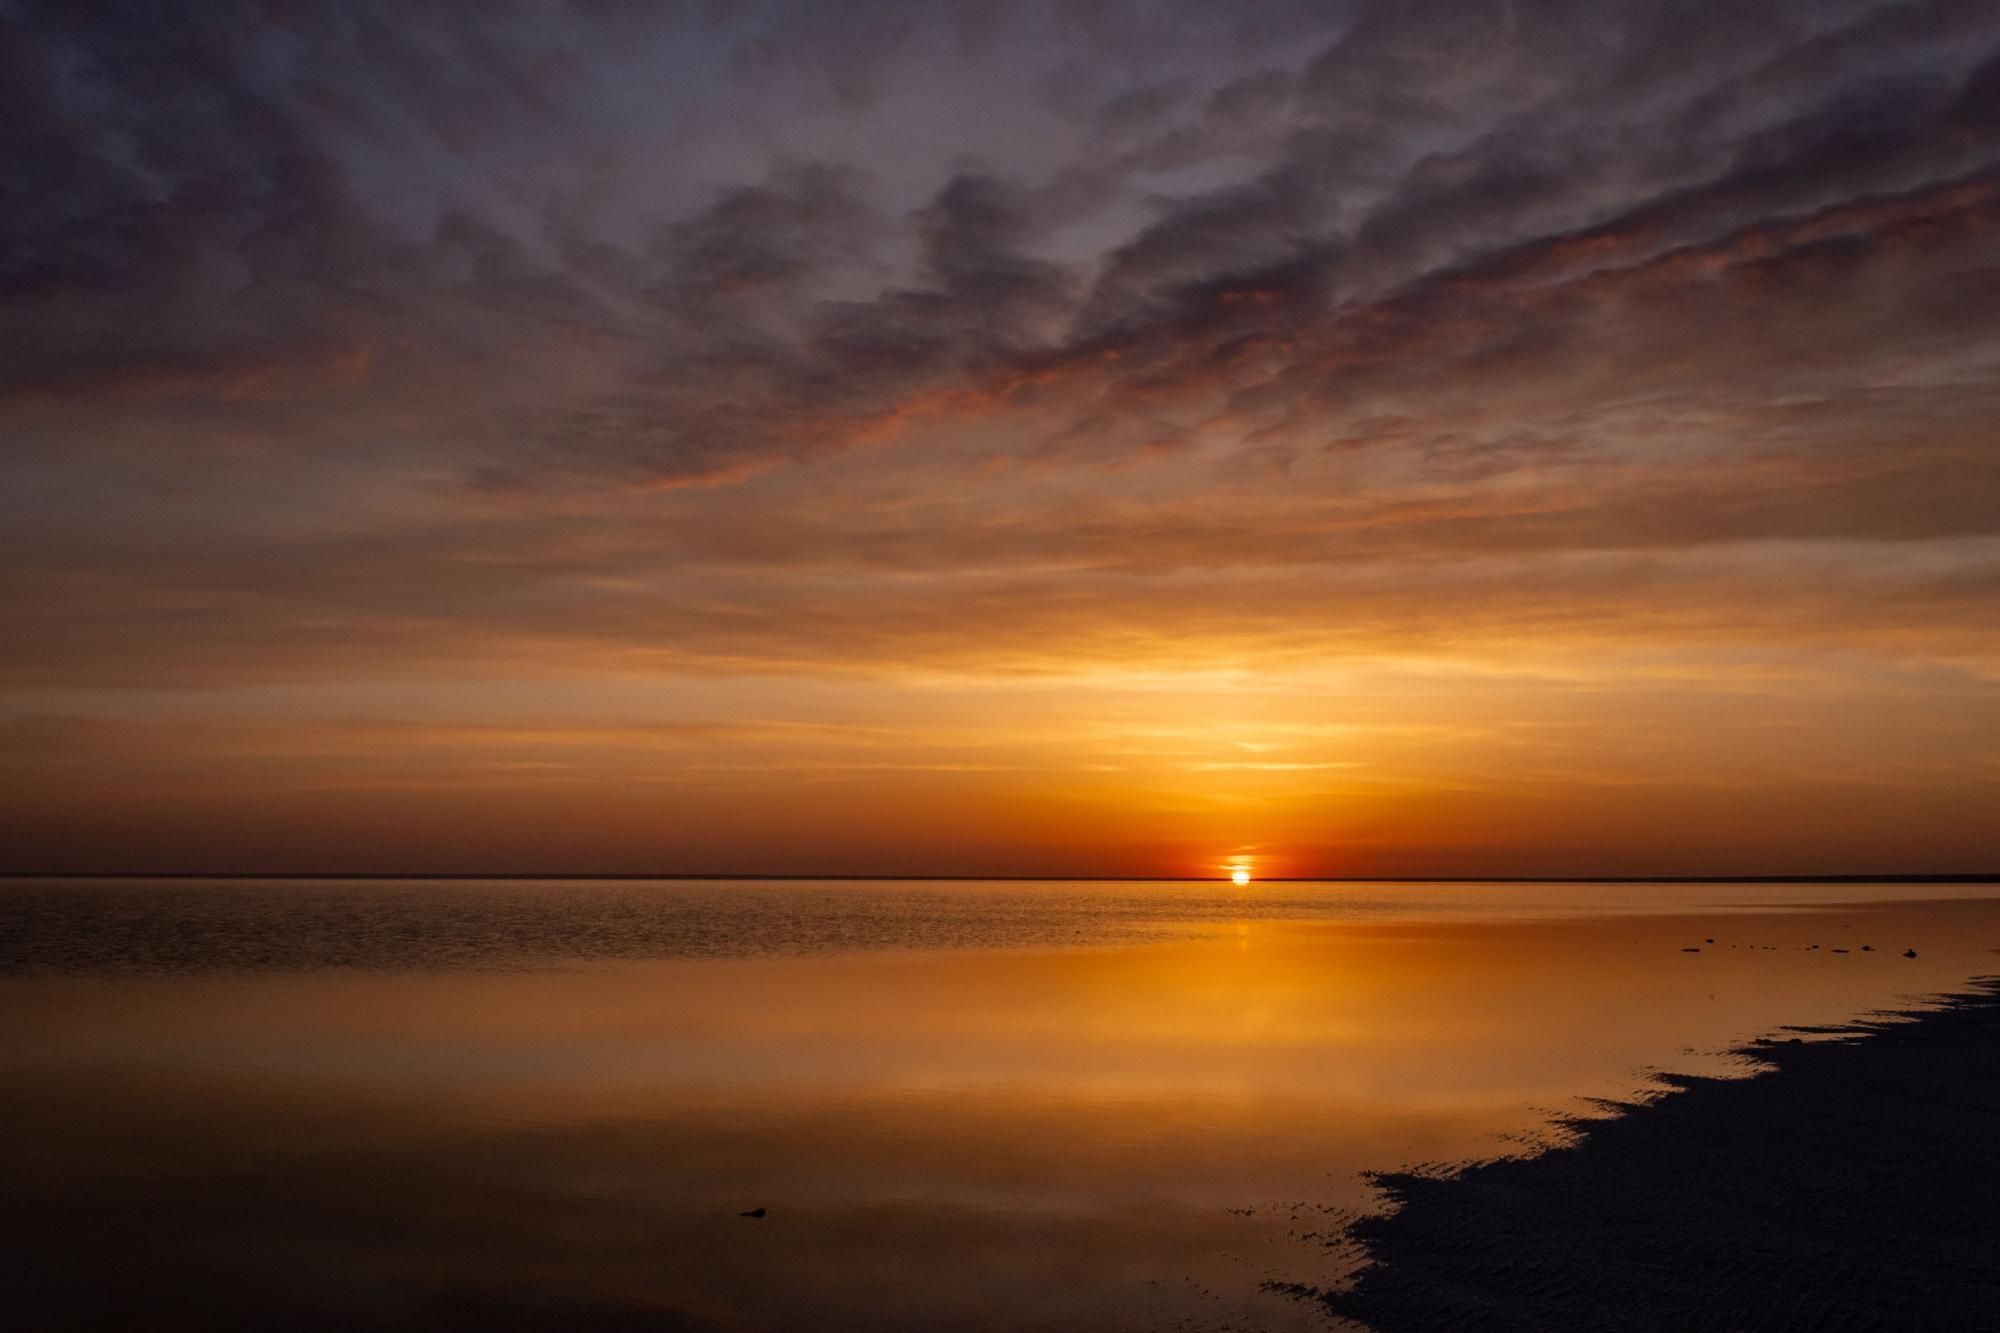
(1001, 1105)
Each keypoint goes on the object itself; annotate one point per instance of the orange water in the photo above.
(1133, 1131)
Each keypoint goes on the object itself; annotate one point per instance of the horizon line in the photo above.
(1936, 877)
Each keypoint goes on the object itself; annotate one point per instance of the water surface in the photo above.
(987, 1105)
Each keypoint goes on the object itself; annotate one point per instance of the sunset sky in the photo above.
(1438, 437)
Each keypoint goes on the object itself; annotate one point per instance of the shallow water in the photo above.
(1003, 1105)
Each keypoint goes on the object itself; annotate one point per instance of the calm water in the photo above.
(986, 1105)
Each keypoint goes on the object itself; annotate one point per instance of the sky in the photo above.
(1391, 437)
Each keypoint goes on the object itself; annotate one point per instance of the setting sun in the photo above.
(1239, 876)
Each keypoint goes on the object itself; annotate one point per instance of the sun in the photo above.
(1239, 876)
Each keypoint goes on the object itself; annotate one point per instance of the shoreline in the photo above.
(1848, 1184)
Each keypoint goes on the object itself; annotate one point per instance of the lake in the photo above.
(520, 1103)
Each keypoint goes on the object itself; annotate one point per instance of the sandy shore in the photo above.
(1853, 1185)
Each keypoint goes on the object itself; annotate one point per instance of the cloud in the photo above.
(740, 338)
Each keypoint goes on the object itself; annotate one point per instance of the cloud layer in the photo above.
(931, 345)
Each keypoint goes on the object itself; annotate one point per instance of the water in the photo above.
(165, 925)
(987, 1105)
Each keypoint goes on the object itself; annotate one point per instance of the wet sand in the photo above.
(1854, 1184)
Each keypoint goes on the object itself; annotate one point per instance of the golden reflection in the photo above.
(1131, 1114)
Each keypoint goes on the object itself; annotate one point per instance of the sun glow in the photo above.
(1239, 876)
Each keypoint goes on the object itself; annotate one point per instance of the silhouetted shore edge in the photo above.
(1849, 1184)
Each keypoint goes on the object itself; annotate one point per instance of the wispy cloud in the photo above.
(558, 343)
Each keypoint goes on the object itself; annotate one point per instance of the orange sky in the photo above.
(1043, 444)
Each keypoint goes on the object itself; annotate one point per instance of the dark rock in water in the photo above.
(754, 1212)
(1837, 951)
(1868, 948)
(1708, 941)
(1909, 953)
(1690, 949)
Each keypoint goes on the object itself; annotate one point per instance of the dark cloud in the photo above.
(775, 239)
(1143, 289)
